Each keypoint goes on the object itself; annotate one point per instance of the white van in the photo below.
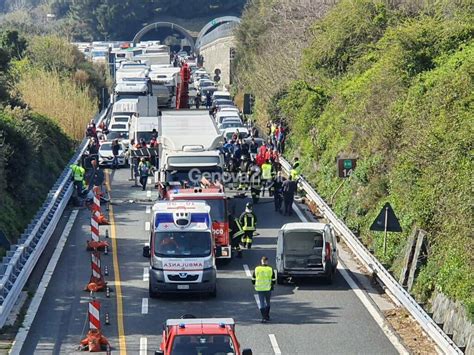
(225, 95)
(306, 250)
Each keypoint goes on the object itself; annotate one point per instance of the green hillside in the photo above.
(391, 84)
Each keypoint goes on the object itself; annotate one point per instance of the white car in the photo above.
(229, 132)
(221, 116)
(235, 124)
(106, 157)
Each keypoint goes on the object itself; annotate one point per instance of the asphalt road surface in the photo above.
(307, 318)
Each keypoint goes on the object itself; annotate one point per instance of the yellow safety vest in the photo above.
(263, 278)
(78, 172)
(267, 171)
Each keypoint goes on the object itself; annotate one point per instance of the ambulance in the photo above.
(181, 249)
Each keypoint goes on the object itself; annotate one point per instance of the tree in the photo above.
(13, 43)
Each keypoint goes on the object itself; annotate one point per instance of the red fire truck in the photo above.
(214, 196)
(200, 336)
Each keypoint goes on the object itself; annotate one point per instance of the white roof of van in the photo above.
(303, 225)
(189, 128)
(125, 105)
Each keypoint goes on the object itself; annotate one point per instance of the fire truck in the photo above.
(200, 336)
(213, 194)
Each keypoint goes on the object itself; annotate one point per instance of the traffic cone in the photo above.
(95, 243)
(97, 282)
(94, 341)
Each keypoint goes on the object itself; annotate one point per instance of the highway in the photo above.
(307, 318)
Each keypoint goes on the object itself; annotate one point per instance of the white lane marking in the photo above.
(148, 193)
(38, 297)
(148, 209)
(299, 213)
(146, 274)
(276, 348)
(364, 298)
(247, 270)
(144, 305)
(143, 346)
(148, 181)
(147, 226)
(257, 300)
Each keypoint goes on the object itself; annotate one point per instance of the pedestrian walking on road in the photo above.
(289, 189)
(264, 278)
(276, 188)
(144, 172)
(115, 153)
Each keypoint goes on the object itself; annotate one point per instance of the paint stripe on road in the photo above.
(149, 181)
(148, 193)
(148, 209)
(144, 305)
(41, 290)
(257, 300)
(147, 226)
(146, 274)
(276, 348)
(247, 270)
(143, 346)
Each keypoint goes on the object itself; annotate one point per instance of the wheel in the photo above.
(280, 280)
(213, 294)
(151, 293)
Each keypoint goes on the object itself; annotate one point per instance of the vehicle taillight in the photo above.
(327, 249)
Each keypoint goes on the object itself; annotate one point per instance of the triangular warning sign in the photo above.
(393, 225)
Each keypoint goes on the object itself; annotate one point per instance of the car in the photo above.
(191, 335)
(205, 83)
(106, 157)
(120, 119)
(221, 95)
(230, 124)
(229, 132)
(222, 102)
(221, 116)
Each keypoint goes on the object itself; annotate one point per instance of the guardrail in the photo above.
(373, 265)
(21, 259)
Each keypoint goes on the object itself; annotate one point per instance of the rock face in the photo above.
(455, 321)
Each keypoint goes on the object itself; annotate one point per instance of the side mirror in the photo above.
(146, 251)
(247, 352)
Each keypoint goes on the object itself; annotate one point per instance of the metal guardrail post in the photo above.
(373, 265)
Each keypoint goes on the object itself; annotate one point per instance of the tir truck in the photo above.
(189, 147)
(181, 249)
(214, 196)
(200, 336)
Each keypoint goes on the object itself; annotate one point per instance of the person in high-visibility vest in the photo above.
(295, 170)
(266, 175)
(264, 278)
(236, 232)
(248, 221)
(78, 173)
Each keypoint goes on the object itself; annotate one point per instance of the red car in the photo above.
(210, 336)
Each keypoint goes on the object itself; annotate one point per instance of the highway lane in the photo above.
(305, 315)
(307, 318)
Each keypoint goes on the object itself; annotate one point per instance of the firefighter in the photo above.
(236, 232)
(276, 187)
(248, 221)
(264, 278)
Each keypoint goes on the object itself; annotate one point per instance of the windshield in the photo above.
(231, 125)
(182, 244)
(117, 135)
(123, 119)
(99, 54)
(202, 344)
(118, 126)
(147, 136)
(206, 83)
(132, 95)
(192, 176)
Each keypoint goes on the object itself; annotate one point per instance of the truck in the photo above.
(181, 249)
(142, 128)
(306, 250)
(200, 336)
(214, 195)
(189, 148)
(131, 88)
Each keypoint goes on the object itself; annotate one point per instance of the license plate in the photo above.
(183, 287)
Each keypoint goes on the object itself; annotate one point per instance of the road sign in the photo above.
(386, 221)
(345, 167)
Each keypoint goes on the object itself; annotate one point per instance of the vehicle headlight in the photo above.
(157, 263)
(209, 263)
